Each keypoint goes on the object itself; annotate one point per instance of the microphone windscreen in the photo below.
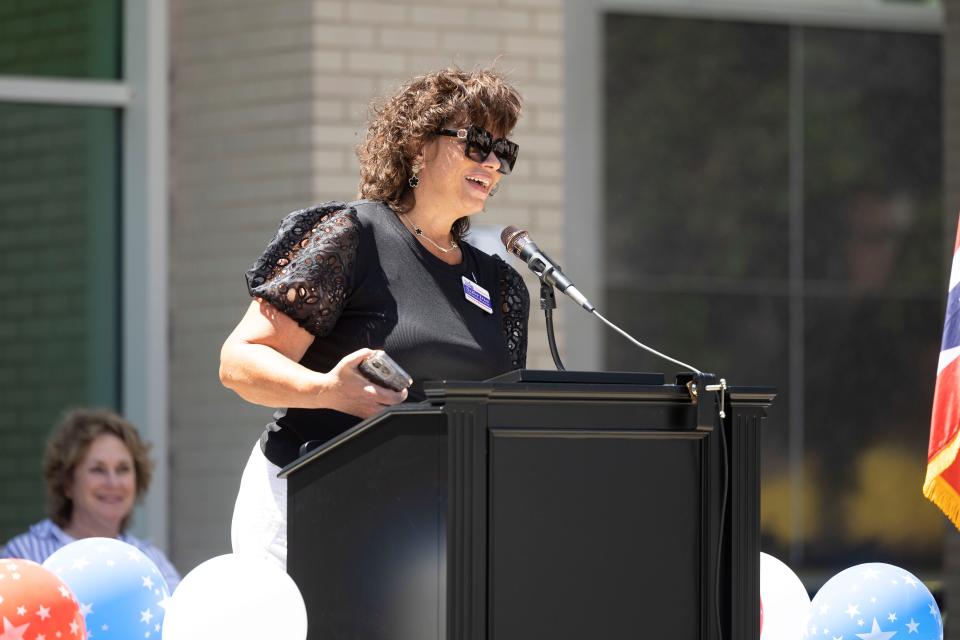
(511, 238)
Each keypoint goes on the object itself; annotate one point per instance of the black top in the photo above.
(354, 277)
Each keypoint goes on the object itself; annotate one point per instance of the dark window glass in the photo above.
(59, 322)
(69, 38)
(773, 214)
(701, 200)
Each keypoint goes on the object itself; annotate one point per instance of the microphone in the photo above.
(518, 242)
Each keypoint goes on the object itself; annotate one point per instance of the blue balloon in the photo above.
(874, 601)
(121, 592)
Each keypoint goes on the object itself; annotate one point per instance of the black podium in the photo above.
(540, 504)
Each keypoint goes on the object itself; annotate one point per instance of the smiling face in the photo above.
(448, 177)
(104, 484)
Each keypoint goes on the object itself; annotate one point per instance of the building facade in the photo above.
(760, 188)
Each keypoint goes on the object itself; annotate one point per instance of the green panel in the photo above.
(69, 38)
(59, 253)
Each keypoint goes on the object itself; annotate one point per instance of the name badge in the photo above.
(477, 294)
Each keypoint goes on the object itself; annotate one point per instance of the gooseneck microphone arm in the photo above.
(518, 242)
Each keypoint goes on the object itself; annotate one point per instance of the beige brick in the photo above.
(505, 214)
(381, 12)
(325, 35)
(487, 44)
(408, 39)
(440, 16)
(198, 173)
(549, 219)
(542, 94)
(501, 20)
(327, 60)
(266, 41)
(540, 47)
(548, 168)
(376, 62)
(351, 162)
(259, 91)
(545, 70)
(336, 187)
(323, 10)
(342, 86)
(537, 192)
(241, 20)
(357, 110)
(546, 119)
(514, 69)
(441, 59)
(545, 4)
(221, 71)
(549, 21)
(328, 110)
(327, 136)
(328, 161)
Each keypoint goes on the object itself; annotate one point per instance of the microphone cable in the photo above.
(645, 347)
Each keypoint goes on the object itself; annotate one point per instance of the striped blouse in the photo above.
(45, 537)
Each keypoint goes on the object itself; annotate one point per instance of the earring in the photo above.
(414, 181)
(494, 191)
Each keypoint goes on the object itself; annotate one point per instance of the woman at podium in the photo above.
(391, 271)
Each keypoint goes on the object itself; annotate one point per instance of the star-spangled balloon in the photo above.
(36, 605)
(121, 593)
(874, 601)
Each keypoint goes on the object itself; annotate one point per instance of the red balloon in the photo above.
(36, 605)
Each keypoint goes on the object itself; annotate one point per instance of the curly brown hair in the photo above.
(402, 124)
(68, 446)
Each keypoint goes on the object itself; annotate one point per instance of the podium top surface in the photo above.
(526, 385)
(582, 384)
(580, 377)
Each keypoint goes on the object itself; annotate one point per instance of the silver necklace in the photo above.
(419, 233)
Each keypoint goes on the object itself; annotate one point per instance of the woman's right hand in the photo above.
(349, 391)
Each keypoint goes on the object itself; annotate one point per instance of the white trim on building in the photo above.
(64, 92)
(145, 395)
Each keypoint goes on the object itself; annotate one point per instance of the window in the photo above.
(773, 214)
(82, 201)
(59, 325)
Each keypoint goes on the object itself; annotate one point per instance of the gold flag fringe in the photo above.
(940, 493)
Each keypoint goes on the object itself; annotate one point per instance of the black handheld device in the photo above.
(383, 370)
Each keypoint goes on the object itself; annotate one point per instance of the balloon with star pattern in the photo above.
(121, 592)
(874, 601)
(36, 605)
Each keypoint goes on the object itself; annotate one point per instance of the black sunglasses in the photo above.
(480, 143)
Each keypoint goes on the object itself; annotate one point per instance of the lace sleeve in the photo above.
(306, 270)
(515, 308)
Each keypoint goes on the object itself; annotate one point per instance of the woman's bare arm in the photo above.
(260, 362)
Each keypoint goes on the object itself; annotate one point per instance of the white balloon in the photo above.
(238, 597)
(786, 603)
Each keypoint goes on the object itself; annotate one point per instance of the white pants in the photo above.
(260, 515)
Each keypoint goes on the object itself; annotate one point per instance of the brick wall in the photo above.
(268, 101)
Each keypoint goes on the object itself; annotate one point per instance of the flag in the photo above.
(942, 485)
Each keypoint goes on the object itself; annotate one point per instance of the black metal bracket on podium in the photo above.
(540, 504)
